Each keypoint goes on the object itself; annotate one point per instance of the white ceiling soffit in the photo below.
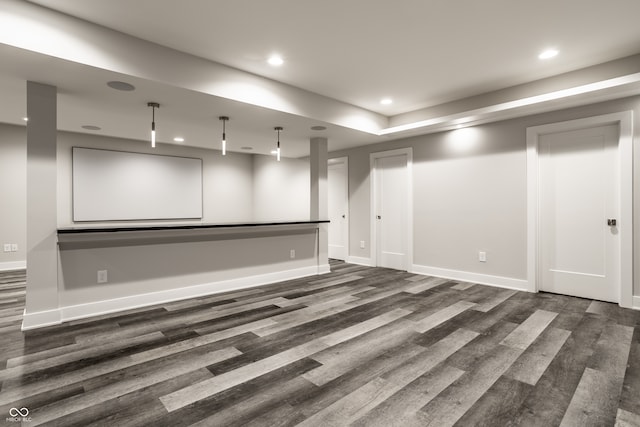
(41, 30)
(611, 80)
(84, 98)
(33, 28)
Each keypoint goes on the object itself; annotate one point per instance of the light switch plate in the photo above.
(102, 276)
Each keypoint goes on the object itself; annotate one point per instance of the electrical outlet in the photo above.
(7, 247)
(14, 247)
(292, 254)
(482, 256)
(102, 276)
(361, 244)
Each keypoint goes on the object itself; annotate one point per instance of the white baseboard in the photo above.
(324, 269)
(40, 319)
(368, 262)
(465, 276)
(13, 265)
(636, 303)
(98, 308)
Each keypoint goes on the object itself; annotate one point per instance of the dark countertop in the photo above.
(121, 228)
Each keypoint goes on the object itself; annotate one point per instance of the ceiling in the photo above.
(339, 56)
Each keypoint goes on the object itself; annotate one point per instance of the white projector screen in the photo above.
(117, 186)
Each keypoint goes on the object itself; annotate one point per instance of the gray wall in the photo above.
(227, 181)
(13, 189)
(280, 189)
(143, 269)
(470, 193)
(139, 265)
(236, 188)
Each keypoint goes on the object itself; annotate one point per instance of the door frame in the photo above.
(624, 121)
(345, 161)
(408, 208)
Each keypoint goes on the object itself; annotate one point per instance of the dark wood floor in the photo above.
(359, 346)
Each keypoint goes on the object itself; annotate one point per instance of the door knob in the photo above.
(379, 217)
(343, 216)
(611, 222)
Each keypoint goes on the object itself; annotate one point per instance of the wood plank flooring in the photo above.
(359, 346)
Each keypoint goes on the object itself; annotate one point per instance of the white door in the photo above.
(391, 211)
(579, 195)
(338, 209)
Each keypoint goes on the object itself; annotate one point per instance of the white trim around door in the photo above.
(408, 152)
(624, 121)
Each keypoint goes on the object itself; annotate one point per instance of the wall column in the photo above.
(319, 208)
(319, 194)
(42, 253)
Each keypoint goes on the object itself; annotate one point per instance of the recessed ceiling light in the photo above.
(547, 54)
(318, 128)
(178, 139)
(274, 152)
(91, 127)
(121, 86)
(246, 148)
(26, 119)
(386, 101)
(275, 60)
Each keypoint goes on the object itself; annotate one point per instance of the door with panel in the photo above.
(579, 205)
(390, 211)
(338, 205)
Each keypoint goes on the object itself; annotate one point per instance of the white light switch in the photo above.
(482, 256)
(361, 244)
(14, 247)
(292, 254)
(7, 247)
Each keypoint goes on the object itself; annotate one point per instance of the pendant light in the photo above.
(224, 134)
(153, 106)
(278, 129)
